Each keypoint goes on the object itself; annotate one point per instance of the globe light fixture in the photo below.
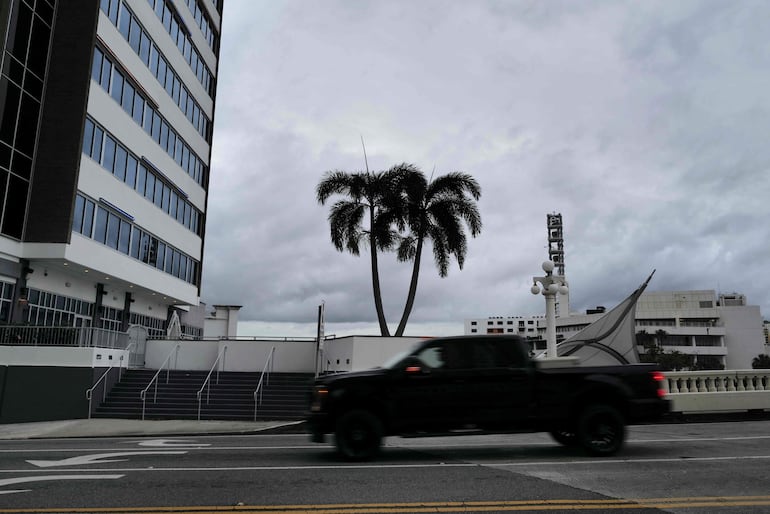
(550, 286)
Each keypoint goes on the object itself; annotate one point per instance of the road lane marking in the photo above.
(395, 442)
(340, 467)
(23, 480)
(97, 458)
(172, 443)
(428, 506)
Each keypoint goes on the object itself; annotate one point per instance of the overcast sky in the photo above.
(645, 124)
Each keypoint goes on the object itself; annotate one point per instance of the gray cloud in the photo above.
(641, 122)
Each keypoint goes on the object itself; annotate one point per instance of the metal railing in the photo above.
(20, 335)
(143, 394)
(89, 392)
(207, 382)
(264, 379)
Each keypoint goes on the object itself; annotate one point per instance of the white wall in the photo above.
(62, 356)
(290, 356)
(357, 353)
(743, 335)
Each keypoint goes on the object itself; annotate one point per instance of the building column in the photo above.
(96, 319)
(126, 317)
(19, 305)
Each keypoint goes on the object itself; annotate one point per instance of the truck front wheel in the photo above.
(565, 436)
(358, 435)
(601, 430)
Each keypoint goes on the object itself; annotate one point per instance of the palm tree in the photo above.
(761, 361)
(368, 194)
(435, 211)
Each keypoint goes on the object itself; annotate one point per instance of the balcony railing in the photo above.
(83, 337)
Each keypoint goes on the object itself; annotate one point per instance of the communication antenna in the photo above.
(366, 161)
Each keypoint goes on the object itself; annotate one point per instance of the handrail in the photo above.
(90, 391)
(263, 378)
(143, 394)
(208, 379)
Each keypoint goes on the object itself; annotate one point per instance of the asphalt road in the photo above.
(693, 468)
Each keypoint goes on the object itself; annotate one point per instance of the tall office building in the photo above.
(106, 111)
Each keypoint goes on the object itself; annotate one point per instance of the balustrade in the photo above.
(716, 381)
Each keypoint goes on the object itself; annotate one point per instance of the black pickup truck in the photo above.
(483, 384)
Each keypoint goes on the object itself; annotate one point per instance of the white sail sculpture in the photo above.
(609, 340)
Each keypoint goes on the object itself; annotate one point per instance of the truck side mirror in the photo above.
(413, 366)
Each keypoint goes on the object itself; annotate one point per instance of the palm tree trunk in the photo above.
(376, 281)
(412, 290)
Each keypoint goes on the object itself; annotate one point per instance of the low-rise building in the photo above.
(716, 329)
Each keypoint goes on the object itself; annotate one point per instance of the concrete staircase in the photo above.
(285, 397)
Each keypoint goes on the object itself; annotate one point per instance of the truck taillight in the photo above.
(659, 379)
(319, 395)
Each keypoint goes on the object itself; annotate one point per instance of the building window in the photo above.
(194, 167)
(113, 230)
(151, 56)
(116, 159)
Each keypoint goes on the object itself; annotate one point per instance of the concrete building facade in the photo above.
(106, 115)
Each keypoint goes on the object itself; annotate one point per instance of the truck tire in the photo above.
(565, 436)
(601, 430)
(358, 435)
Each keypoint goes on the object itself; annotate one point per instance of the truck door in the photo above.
(431, 392)
(501, 385)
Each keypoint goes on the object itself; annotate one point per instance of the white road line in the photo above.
(22, 480)
(394, 443)
(342, 467)
(174, 443)
(97, 458)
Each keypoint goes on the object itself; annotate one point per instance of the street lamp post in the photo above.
(551, 286)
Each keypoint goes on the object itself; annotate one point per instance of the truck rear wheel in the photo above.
(601, 430)
(358, 435)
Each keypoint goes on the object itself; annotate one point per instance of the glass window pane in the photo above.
(149, 190)
(109, 153)
(117, 86)
(96, 152)
(166, 197)
(88, 137)
(161, 75)
(100, 227)
(113, 228)
(138, 108)
(88, 218)
(169, 260)
(161, 260)
(173, 204)
(120, 163)
(105, 75)
(96, 67)
(135, 35)
(136, 240)
(144, 48)
(128, 98)
(163, 135)
(131, 172)
(158, 197)
(123, 238)
(154, 55)
(141, 180)
(157, 123)
(125, 20)
(77, 216)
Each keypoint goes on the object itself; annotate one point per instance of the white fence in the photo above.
(718, 391)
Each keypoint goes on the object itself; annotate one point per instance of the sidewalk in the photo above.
(134, 427)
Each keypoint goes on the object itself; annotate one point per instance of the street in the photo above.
(695, 468)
